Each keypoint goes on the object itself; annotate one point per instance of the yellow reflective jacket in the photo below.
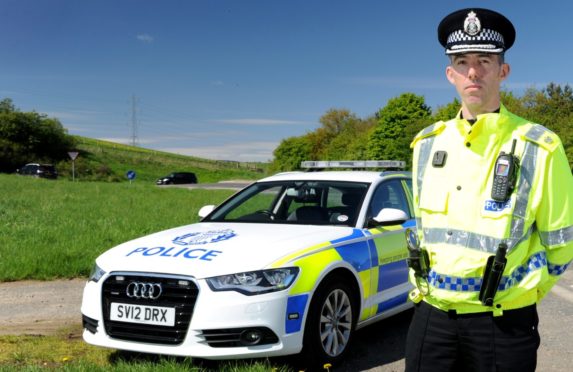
(461, 226)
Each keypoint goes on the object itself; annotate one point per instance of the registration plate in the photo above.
(155, 315)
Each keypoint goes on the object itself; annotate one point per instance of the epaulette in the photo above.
(542, 137)
(429, 131)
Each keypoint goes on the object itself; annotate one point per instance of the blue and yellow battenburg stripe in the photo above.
(378, 257)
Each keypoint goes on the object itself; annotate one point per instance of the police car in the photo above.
(293, 263)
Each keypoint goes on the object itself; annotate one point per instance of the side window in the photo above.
(389, 194)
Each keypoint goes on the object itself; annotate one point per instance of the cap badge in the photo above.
(472, 25)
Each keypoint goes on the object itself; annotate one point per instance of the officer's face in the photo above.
(477, 78)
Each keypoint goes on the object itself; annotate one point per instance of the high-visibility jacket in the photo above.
(461, 226)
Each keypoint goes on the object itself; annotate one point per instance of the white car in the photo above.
(292, 263)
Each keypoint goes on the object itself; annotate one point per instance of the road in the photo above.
(34, 307)
(223, 185)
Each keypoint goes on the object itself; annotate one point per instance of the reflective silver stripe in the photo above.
(536, 131)
(424, 155)
(425, 150)
(428, 129)
(526, 176)
(470, 240)
(556, 237)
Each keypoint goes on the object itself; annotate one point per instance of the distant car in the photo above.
(39, 170)
(292, 263)
(177, 178)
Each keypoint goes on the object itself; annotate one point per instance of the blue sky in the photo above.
(229, 79)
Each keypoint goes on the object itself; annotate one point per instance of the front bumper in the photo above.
(217, 319)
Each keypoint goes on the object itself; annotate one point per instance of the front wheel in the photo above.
(330, 323)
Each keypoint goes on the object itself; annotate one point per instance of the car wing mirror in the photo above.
(387, 217)
(206, 210)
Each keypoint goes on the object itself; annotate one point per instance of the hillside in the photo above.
(108, 161)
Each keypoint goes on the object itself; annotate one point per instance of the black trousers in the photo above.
(445, 341)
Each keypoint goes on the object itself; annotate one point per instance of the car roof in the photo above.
(351, 176)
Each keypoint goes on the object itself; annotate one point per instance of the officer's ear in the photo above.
(504, 71)
(449, 74)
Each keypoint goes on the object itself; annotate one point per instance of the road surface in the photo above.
(35, 307)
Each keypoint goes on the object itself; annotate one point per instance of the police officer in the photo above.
(494, 207)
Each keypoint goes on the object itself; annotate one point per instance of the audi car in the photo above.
(292, 264)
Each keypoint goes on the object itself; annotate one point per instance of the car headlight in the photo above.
(255, 282)
(96, 273)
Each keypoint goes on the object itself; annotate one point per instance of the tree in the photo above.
(29, 136)
(447, 112)
(398, 122)
(351, 143)
(6, 105)
(333, 124)
(290, 153)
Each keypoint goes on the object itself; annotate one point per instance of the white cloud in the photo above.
(145, 38)
(217, 83)
(260, 151)
(124, 140)
(72, 115)
(259, 122)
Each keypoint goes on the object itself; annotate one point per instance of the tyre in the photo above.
(330, 323)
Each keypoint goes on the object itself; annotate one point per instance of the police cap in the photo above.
(476, 30)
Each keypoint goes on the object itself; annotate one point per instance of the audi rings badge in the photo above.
(142, 290)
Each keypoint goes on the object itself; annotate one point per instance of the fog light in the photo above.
(251, 337)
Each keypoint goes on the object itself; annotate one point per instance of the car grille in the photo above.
(177, 292)
(235, 337)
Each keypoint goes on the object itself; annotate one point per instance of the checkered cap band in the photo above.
(486, 40)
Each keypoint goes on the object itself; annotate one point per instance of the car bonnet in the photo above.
(210, 249)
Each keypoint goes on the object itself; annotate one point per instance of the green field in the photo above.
(108, 161)
(55, 229)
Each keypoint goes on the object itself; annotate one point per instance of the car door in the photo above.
(388, 247)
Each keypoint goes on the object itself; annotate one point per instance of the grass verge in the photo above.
(68, 352)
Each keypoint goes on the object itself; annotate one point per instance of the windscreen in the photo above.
(295, 202)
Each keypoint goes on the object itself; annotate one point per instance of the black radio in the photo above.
(504, 175)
